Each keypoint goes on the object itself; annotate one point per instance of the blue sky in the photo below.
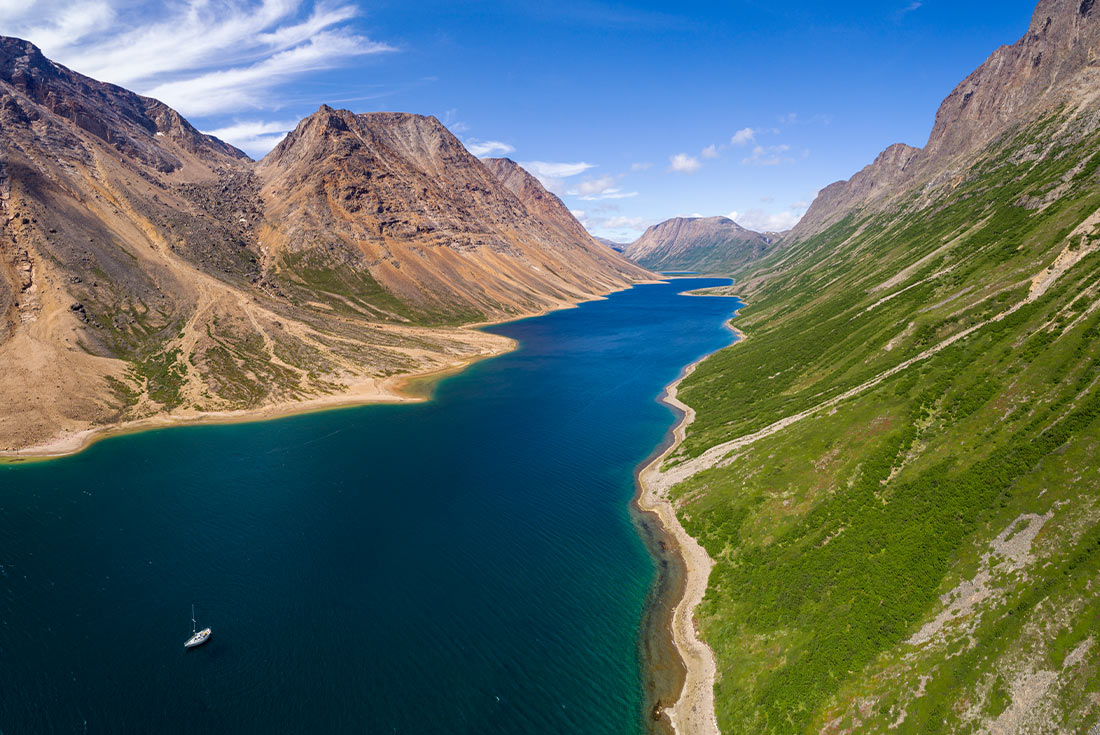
(632, 112)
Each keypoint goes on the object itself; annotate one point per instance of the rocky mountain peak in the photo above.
(1063, 39)
(341, 133)
(127, 121)
(21, 62)
(1014, 85)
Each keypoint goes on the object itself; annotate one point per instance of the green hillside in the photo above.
(919, 549)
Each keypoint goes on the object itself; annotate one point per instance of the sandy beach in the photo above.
(693, 712)
(362, 392)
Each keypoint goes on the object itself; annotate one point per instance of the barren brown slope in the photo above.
(397, 200)
(143, 274)
(542, 203)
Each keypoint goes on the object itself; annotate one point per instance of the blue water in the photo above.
(466, 565)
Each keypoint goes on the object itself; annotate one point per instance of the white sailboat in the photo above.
(199, 637)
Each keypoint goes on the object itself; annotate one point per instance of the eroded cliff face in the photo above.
(1062, 43)
(550, 210)
(149, 269)
(702, 244)
(1055, 66)
(398, 199)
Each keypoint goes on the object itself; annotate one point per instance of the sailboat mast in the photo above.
(193, 626)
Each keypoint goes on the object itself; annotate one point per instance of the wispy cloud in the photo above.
(629, 224)
(605, 187)
(711, 151)
(488, 147)
(617, 227)
(641, 166)
(254, 137)
(772, 155)
(744, 136)
(199, 56)
(761, 221)
(556, 170)
(682, 163)
(553, 174)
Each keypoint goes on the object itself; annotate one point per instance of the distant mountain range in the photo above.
(699, 244)
(151, 269)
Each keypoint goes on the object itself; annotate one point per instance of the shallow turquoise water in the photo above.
(467, 565)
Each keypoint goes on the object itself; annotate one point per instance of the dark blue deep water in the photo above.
(466, 565)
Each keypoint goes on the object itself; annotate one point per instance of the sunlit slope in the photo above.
(897, 471)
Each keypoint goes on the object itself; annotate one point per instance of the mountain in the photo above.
(152, 270)
(894, 472)
(698, 244)
(1053, 65)
(396, 199)
(545, 205)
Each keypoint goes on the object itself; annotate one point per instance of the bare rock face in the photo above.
(1056, 63)
(538, 201)
(698, 244)
(879, 179)
(1063, 40)
(398, 199)
(147, 268)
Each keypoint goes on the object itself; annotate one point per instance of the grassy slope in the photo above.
(718, 256)
(836, 537)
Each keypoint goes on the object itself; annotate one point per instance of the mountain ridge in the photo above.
(698, 244)
(1059, 46)
(151, 272)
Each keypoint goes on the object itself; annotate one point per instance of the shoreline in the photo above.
(685, 582)
(693, 712)
(372, 391)
(412, 387)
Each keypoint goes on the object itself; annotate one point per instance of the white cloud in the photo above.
(602, 188)
(633, 224)
(255, 138)
(910, 8)
(556, 170)
(772, 155)
(588, 187)
(640, 166)
(614, 227)
(761, 221)
(552, 174)
(198, 56)
(684, 164)
(711, 151)
(744, 136)
(488, 147)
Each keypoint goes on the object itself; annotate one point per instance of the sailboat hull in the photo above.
(198, 639)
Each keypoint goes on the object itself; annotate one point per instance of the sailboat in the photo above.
(199, 637)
